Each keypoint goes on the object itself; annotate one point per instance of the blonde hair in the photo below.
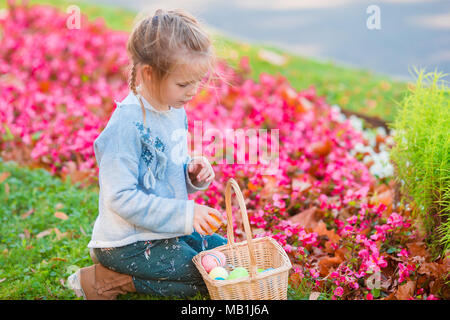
(166, 41)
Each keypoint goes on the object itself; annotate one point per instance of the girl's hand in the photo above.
(200, 170)
(203, 219)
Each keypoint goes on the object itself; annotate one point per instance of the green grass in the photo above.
(352, 89)
(31, 268)
(37, 268)
(422, 155)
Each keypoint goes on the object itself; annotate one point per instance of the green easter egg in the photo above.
(239, 272)
(218, 272)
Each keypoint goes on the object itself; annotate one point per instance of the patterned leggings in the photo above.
(161, 267)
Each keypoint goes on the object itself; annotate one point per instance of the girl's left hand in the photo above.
(200, 170)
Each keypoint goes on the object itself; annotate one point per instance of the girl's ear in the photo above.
(146, 72)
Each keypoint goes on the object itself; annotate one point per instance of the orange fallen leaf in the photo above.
(294, 280)
(321, 230)
(327, 263)
(307, 218)
(58, 259)
(4, 176)
(385, 197)
(305, 105)
(432, 269)
(61, 215)
(418, 248)
(44, 233)
(322, 148)
(405, 291)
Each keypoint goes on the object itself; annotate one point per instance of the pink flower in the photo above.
(403, 253)
(277, 201)
(339, 291)
(369, 296)
(323, 201)
(314, 273)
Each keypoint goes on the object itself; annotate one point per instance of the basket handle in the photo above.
(248, 231)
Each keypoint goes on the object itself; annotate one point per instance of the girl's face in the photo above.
(177, 89)
(180, 87)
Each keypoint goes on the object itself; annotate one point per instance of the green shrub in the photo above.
(421, 155)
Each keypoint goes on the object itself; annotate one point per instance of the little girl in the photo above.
(147, 231)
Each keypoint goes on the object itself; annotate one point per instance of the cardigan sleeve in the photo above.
(118, 178)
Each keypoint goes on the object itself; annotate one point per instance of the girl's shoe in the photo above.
(99, 283)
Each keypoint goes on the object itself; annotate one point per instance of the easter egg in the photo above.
(218, 273)
(239, 272)
(213, 259)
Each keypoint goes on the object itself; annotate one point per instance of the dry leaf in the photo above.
(322, 148)
(300, 185)
(27, 214)
(59, 205)
(58, 259)
(386, 198)
(59, 234)
(418, 248)
(307, 218)
(44, 233)
(1, 280)
(432, 269)
(326, 264)
(321, 230)
(61, 215)
(294, 280)
(405, 291)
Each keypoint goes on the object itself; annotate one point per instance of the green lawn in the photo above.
(353, 89)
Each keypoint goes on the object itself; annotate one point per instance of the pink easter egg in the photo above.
(213, 259)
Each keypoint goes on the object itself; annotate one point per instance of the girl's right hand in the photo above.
(203, 219)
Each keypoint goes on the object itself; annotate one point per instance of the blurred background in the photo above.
(412, 32)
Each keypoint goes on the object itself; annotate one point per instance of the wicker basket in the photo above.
(252, 254)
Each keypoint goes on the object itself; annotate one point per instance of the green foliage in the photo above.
(37, 268)
(422, 154)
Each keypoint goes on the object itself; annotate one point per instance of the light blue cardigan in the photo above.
(143, 178)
